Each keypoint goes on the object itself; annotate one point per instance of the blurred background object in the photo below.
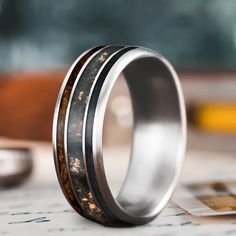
(40, 39)
(16, 165)
(45, 35)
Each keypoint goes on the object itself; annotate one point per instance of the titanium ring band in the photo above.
(159, 134)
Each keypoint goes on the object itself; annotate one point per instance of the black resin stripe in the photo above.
(89, 136)
(76, 165)
(59, 157)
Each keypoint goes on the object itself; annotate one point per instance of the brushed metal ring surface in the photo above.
(159, 134)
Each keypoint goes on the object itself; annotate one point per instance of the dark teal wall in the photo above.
(40, 34)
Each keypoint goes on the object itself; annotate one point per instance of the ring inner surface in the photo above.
(157, 135)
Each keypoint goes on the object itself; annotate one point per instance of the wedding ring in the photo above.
(159, 134)
(16, 165)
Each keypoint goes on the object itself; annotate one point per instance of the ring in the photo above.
(159, 134)
(16, 165)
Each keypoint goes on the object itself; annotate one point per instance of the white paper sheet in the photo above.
(39, 208)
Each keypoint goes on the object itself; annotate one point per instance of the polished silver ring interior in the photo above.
(159, 134)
